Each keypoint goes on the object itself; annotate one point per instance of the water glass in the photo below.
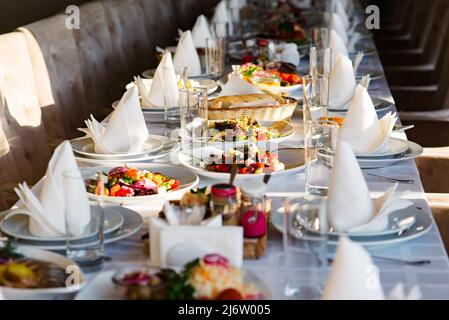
(303, 261)
(177, 75)
(320, 61)
(85, 247)
(221, 30)
(215, 56)
(320, 37)
(320, 143)
(194, 124)
(316, 98)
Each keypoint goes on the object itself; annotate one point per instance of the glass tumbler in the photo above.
(320, 37)
(303, 260)
(215, 56)
(194, 122)
(84, 246)
(320, 61)
(173, 78)
(320, 143)
(316, 99)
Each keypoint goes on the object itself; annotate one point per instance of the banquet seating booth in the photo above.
(52, 78)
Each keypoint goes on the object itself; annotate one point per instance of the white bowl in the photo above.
(47, 293)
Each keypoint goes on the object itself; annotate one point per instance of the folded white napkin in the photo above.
(362, 129)
(222, 16)
(342, 83)
(398, 293)
(337, 45)
(47, 211)
(201, 32)
(126, 131)
(340, 10)
(290, 54)
(361, 213)
(337, 25)
(176, 245)
(353, 275)
(144, 88)
(1, 295)
(238, 86)
(186, 54)
(164, 82)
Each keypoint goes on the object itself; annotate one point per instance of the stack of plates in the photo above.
(154, 148)
(120, 223)
(403, 225)
(400, 150)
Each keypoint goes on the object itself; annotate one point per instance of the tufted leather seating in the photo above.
(52, 78)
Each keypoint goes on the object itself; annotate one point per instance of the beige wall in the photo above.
(15, 13)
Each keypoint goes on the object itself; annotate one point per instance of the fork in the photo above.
(406, 181)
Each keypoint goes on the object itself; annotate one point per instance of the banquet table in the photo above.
(433, 278)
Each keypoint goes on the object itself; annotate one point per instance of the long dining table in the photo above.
(432, 279)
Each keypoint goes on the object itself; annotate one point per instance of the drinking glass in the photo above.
(177, 75)
(85, 247)
(320, 61)
(194, 125)
(320, 37)
(303, 261)
(221, 29)
(215, 56)
(316, 98)
(320, 143)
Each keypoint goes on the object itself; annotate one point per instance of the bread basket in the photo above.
(260, 113)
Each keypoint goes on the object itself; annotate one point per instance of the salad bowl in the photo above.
(140, 182)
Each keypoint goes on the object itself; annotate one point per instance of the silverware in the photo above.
(233, 174)
(400, 128)
(407, 262)
(266, 178)
(406, 181)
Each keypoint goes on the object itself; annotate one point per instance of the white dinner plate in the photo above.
(285, 129)
(46, 293)
(17, 226)
(101, 287)
(293, 159)
(397, 147)
(423, 223)
(414, 150)
(379, 104)
(85, 146)
(188, 180)
(133, 222)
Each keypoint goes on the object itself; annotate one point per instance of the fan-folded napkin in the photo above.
(351, 208)
(238, 86)
(164, 83)
(47, 210)
(125, 132)
(353, 275)
(362, 129)
(201, 32)
(186, 54)
(337, 45)
(342, 83)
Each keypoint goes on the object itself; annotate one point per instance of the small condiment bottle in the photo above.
(224, 201)
(252, 212)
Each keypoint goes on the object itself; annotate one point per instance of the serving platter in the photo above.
(101, 287)
(293, 159)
